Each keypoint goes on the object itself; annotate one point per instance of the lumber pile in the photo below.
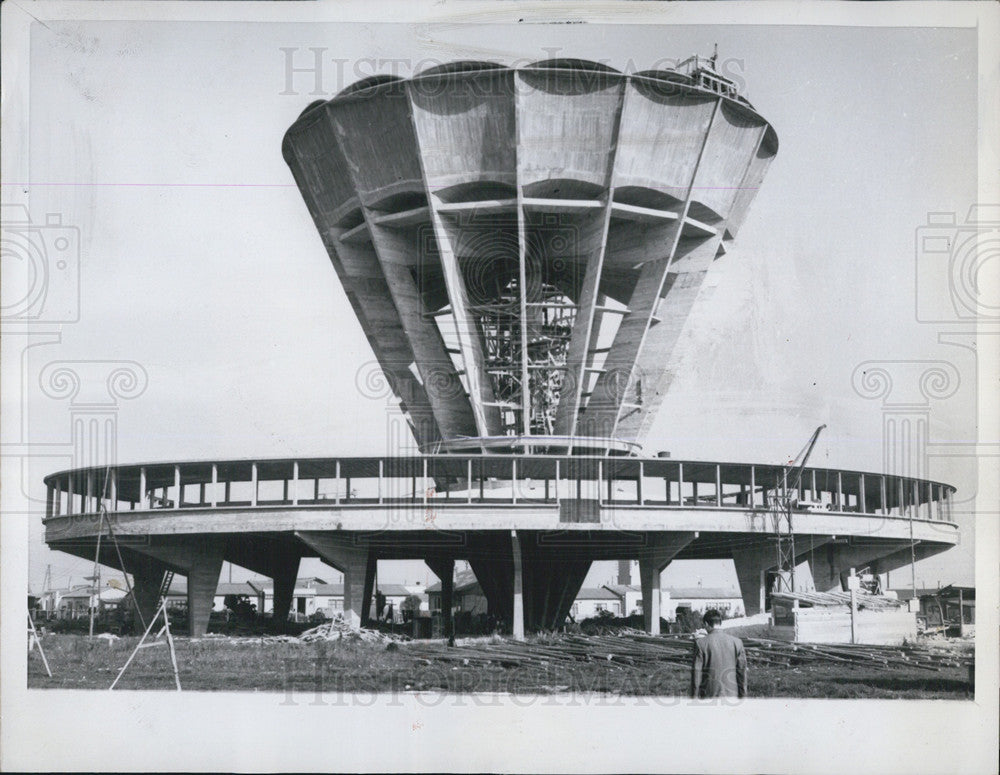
(864, 599)
(635, 649)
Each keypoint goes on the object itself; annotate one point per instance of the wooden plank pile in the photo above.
(634, 649)
(864, 599)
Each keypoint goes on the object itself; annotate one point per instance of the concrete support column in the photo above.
(751, 567)
(835, 560)
(284, 573)
(753, 562)
(202, 582)
(489, 554)
(901, 558)
(551, 576)
(200, 559)
(147, 575)
(517, 629)
(352, 556)
(445, 570)
(366, 612)
(660, 549)
(649, 578)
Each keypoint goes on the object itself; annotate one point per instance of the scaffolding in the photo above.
(548, 329)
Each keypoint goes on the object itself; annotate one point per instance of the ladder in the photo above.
(168, 579)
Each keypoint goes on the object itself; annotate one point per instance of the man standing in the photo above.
(719, 668)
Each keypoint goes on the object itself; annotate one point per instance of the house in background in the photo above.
(467, 595)
(391, 597)
(591, 601)
(629, 598)
(328, 599)
(76, 603)
(726, 601)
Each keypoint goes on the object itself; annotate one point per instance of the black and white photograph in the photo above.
(502, 387)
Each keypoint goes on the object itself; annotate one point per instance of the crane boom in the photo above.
(782, 512)
(804, 454)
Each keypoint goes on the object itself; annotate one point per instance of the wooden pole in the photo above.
(97, 576)
(170, 644)
(854, 612)
(128, 584)
(35, 640)
(163, 607)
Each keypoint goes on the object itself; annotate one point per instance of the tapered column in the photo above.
(489, 554)
(200, 559)
(552, 574)
(660, 549)
(366, 600)
(903, 557)
(352, 556)
(445, 570)
(836, 560)
(517, 629)
(147, 575)
(756, 559)
(202, 582)
(751, 567)
(285, 571)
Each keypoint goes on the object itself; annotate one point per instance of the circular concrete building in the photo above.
(522, 247)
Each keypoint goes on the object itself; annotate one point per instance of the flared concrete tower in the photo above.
(523, 245)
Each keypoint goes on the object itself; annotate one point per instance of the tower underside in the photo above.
(523, 246)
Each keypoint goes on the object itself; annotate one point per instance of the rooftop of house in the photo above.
(702, 593)
(237, 588)
(464, 581)
(621, 589)
(393, 590)
(596, 593)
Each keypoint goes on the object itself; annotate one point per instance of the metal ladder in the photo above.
(168, 579)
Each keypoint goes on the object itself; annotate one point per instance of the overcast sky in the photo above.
(161, 142)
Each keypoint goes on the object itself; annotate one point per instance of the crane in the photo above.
(781, 513)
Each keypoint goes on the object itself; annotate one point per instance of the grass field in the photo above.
(332, 670)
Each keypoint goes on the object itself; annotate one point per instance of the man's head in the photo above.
(712, 618)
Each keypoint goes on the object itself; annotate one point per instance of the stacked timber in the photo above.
(865, 600)
(634, 649)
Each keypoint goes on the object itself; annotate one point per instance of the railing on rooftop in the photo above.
(446, 480)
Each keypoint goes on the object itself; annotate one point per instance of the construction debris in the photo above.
(630, 647)
(338, 629)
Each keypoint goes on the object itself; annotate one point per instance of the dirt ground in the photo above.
(330, 671)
